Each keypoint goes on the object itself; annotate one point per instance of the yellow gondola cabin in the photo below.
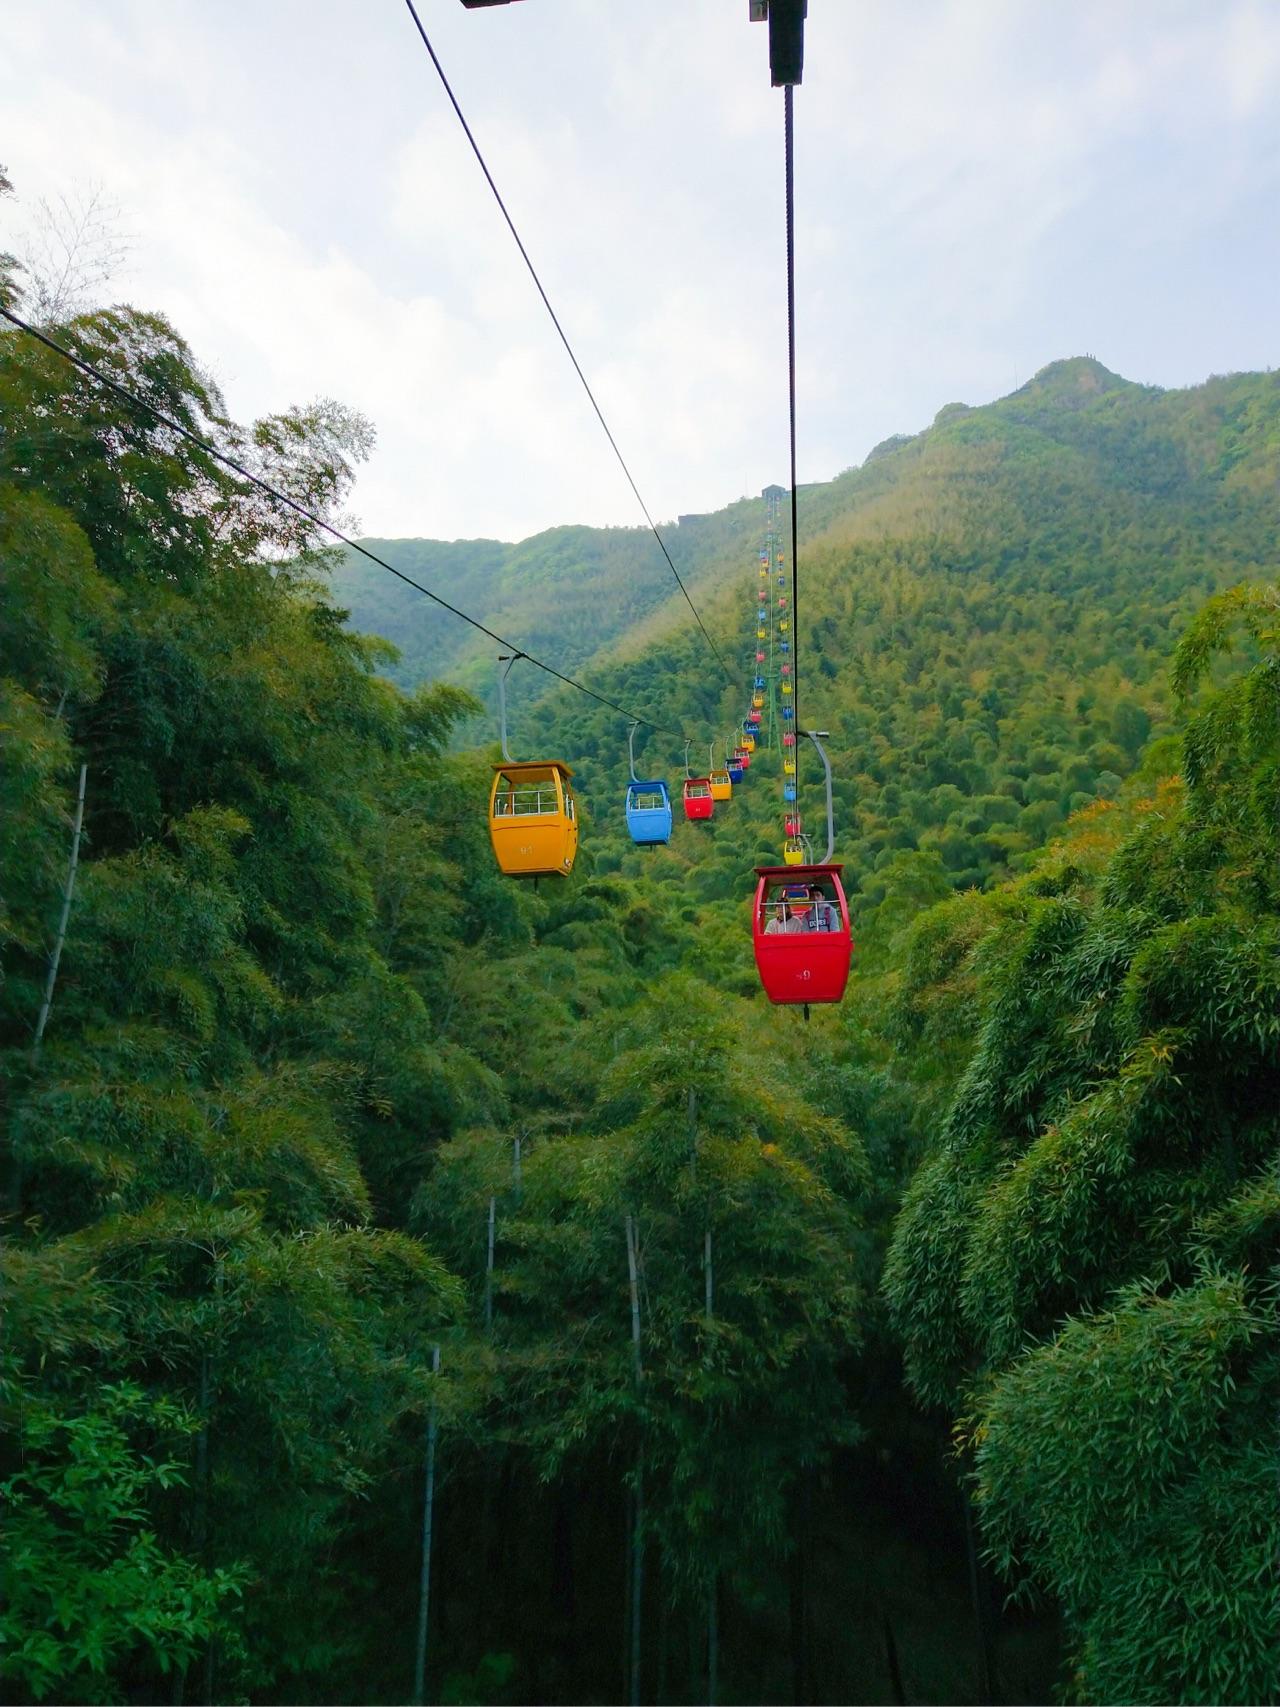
(533, 819)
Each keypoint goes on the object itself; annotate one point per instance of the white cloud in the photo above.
(982, 185)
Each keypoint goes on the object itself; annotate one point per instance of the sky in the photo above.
(982, 187)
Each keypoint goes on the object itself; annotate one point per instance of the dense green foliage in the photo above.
(1086, 1263)
(320, 1095)
(87, 1582)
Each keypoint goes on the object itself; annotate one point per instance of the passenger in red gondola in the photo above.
(814, 968)
(822, 914)
(783, 921)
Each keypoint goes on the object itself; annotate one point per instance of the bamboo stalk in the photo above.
(633, 1276)
(488, 1267)
(637, 1582)
(630, 1518)
(713, 1641)
(637, 1526)
(713, 1629)
(428, 1516)
(67, 893)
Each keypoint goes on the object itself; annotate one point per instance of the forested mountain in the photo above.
(753, 1360)
(570, 594)
(987, 614)
(1078, 502)
(989, 611)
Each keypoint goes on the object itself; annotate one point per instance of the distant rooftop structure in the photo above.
(774, 492)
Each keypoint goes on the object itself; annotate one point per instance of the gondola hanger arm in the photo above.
(818, 736)
(510, 659)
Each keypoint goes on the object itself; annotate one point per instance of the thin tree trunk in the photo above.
(428, 1514)
(637, 1524)
(799, 1598)
(713, 1587)
(628, 1611)
(637, 1582)
(497, 1553)
(633, 1278)
(204, 1527)
(488, 1266)
(202, 1510)
(564, 1596)
(896, 1685)
(981, 1612)
(202, 1462)
(67, 893)
(713, 1639)
(664, 1632)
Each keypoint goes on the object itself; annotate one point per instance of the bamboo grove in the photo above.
(321, 1140)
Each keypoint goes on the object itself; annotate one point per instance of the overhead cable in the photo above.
(105, 380)
(555, 321)
(789, 128)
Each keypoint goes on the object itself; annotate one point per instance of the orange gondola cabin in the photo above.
(802, 940)
(533, 819)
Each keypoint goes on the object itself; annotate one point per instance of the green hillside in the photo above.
(568, 595)
(987, 613)
(925, 1351)
(1077, 489)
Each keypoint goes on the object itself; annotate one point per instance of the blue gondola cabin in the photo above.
(649, 814)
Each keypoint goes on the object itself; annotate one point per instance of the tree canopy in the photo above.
(323, 1140)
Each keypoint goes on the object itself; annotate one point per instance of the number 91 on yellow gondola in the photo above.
(533, 819)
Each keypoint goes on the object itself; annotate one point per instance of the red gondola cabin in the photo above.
(699, 802)
(802, 940)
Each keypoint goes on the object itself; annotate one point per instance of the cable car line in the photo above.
(789, 145)
(800, 932)
(123, 391)
(555, 321)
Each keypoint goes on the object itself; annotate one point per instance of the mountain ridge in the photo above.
(986, 619)
(586, 598)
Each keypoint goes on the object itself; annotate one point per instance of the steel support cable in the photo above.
(789, 129)
(555, 321)
(105, 380)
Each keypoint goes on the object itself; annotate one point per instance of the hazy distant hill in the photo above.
(566, 595)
